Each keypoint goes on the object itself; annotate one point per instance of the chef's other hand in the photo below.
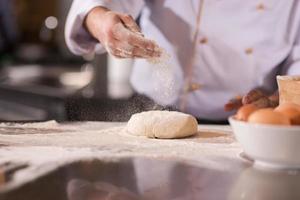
(120, 34)
(255, 97)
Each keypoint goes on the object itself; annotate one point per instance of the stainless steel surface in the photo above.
(89, 161)
(142, 178)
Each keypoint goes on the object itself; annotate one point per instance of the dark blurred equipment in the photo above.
(38, 24)
(35, 77)
(41, 80)
(8, 29)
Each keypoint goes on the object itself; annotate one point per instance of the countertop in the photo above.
(89, 160)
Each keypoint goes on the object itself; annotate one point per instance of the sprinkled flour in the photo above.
(163, 73)
(110, 142)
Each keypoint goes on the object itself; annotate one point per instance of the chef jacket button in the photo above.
(203, 40)
(260, 7)
(249, 51)
(193, 87)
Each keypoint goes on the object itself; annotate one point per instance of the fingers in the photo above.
(124, 50)
(118, 54)
(112, 49)
(121, 35)
(233, 104)
(274, 99)
(253, 96)
(130, 23)
(143, 53)
(149, 48)
(263, 102)
(257, 98)
(144, 47)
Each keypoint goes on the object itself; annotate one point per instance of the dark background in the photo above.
(34, 64)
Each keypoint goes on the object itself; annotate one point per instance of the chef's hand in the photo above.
(120, 34)
(255, 97)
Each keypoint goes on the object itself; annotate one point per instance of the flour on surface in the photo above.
(109, 142)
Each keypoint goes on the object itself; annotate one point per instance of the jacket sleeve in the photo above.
(78, 40)
(292, 64)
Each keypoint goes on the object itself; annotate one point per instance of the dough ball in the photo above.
(162, 124)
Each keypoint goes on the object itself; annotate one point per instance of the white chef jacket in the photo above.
(242, 45)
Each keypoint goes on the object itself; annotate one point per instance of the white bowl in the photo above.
(272, 146)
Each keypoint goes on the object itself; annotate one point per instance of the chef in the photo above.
(219, 50)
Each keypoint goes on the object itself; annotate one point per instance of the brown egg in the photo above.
(290, 110)
(288, 105)
(268, 116)
(245, 111)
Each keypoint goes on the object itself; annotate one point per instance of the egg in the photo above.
(268, 116)
(290, 110)
(283, 106)
(245, 111)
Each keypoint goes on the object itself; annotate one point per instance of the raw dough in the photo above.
(162, 124)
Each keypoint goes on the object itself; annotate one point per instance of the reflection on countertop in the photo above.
(266, 185)
(155, 179)
(131, 178)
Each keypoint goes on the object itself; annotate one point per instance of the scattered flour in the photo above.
(210, 147)
(163, 73)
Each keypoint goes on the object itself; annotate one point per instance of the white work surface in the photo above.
(41, 140)
(206, 165)
(51, 144)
